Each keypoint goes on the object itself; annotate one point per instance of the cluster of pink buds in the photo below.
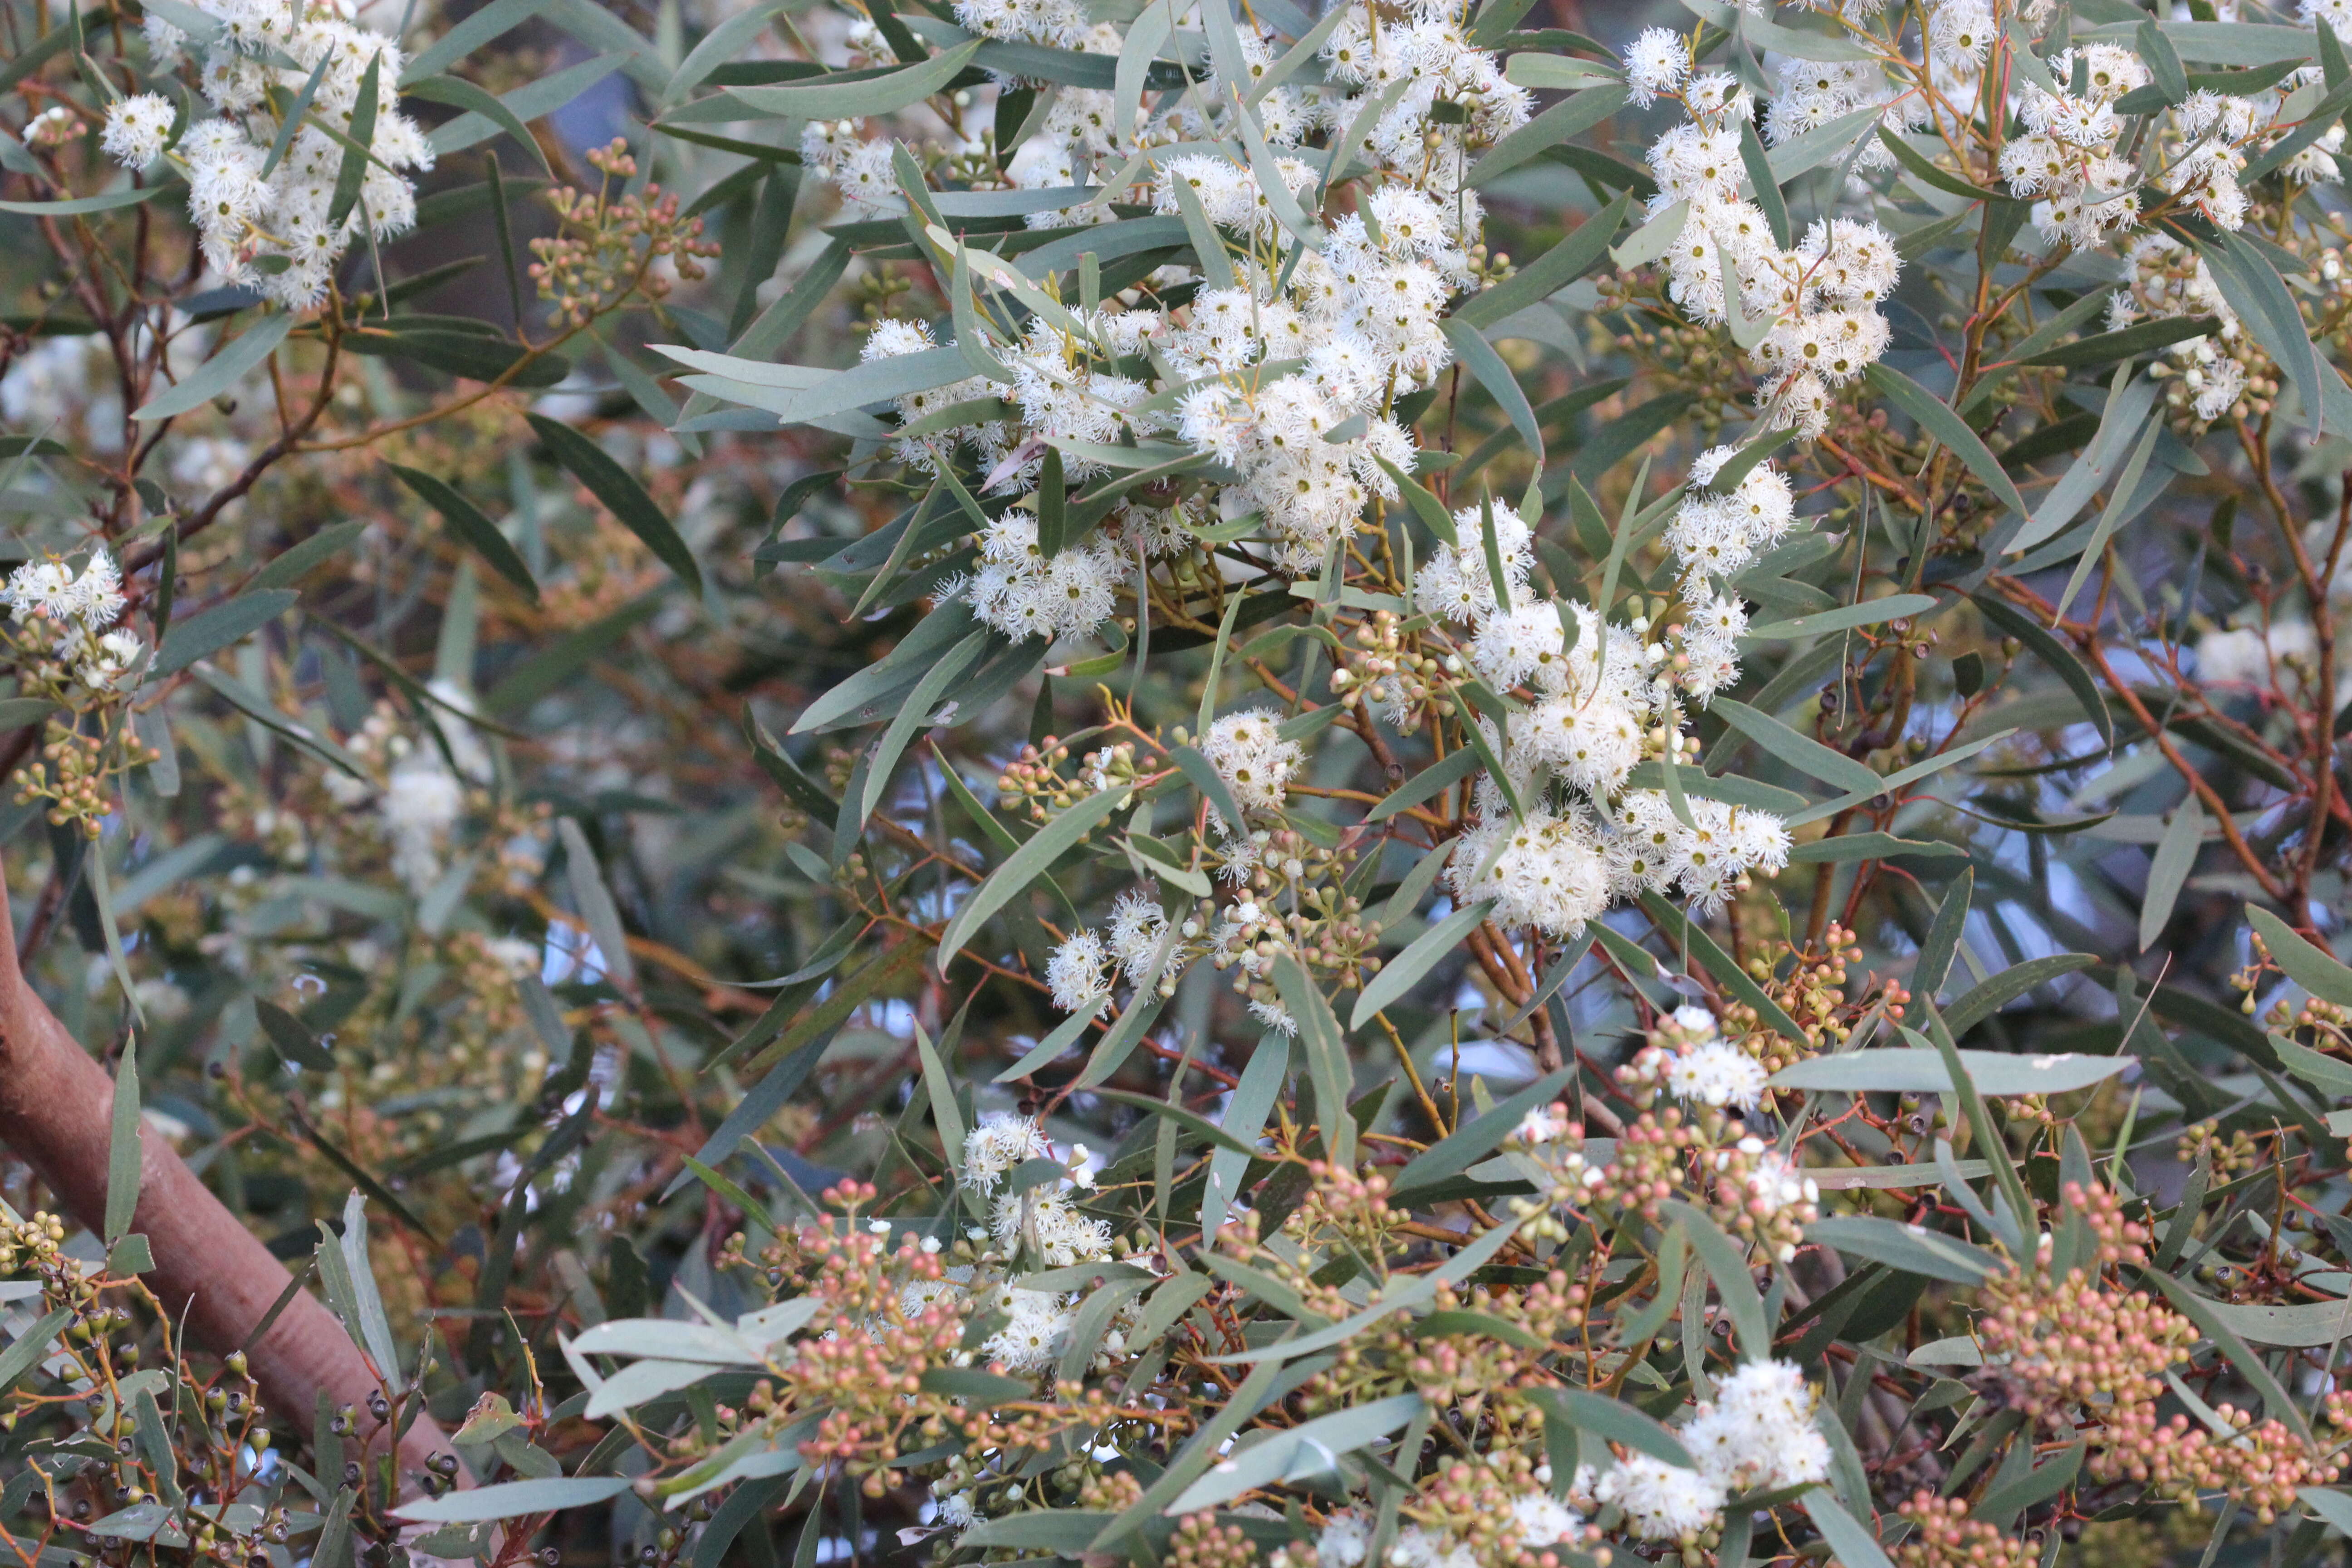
(2263, 1466)
(2079, 1339)
(610, 247)
(1944, 1536)
(1763, 1196)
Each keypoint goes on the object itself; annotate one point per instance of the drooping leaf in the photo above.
(1402, 972)
(1801, 752)
(1023, 868)
(1913, 1250)
(1936, 418)
(244, 354)
(1612, 1421)
(209, 631)
(621, 493)
(528, 102)
(513, 1500)
(469, 522)
(123, 1151)
(2315, 971)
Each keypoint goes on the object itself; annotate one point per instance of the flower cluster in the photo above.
(264, 203)
(1598, 707)
(1041, 1219)
(1944, 1536)
(1688, 1057)
(1755, 1434)
(1818, 301)
(74, 613)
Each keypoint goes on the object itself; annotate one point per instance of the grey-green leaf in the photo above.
(2000, 989)
(2315, 971)
(1023, 867)
(1900, 1071)
(622, 495)
(1312, 1448)
(123, 1148)
(1938, 419)
(2168, 868)
(596, 906)
(1801, 752)
(1404, 972)
(212, 630)
(470, 524)
(1613, 1421)
(1850, 1540)
(223, 371)
(884, 94)
(1913, 1250)
(512, 1500)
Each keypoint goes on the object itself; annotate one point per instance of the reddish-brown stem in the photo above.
(57, 1106)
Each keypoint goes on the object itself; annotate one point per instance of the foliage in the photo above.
(1683, 866)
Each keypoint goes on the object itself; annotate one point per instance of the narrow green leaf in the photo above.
(1612, 1421)
(1726, 1262)
(292, 1037)
(1943, 940)
(541, 96)
(352, 171)
(1571, 116)
(1426, 506)
(1203, 776)
(223, 371)
(2062, 661)
(123, 1148)
(79, 206)
(2313, 969)
(913, 714)
(1208, 246)
(25, 1352)
(1402, 972)
(1803, 752)
(1475, 1140)
(1023, 866)
(1938, 420)
(2168, 868)
(1496, 376)
(513, 1500)
(622, 495)
(1434, 779)
(1768, 190)
(1911, 1249)
(1558, 268)
(459, 93)
(1850, 1541)
(1312, 1448)
(217, 629)
(2005, 986)
(821, 97)
(2276, 1403)
(470, 524)
(2163, 61)
(1929, 173)
(941, 1090)
(1326, 1055)
(2129, 342)
(1688, 936)
(602, 916)
(1869, 613)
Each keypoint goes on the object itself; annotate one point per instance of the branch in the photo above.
(56, 1114)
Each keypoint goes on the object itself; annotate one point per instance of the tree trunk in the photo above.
(56, 1114)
